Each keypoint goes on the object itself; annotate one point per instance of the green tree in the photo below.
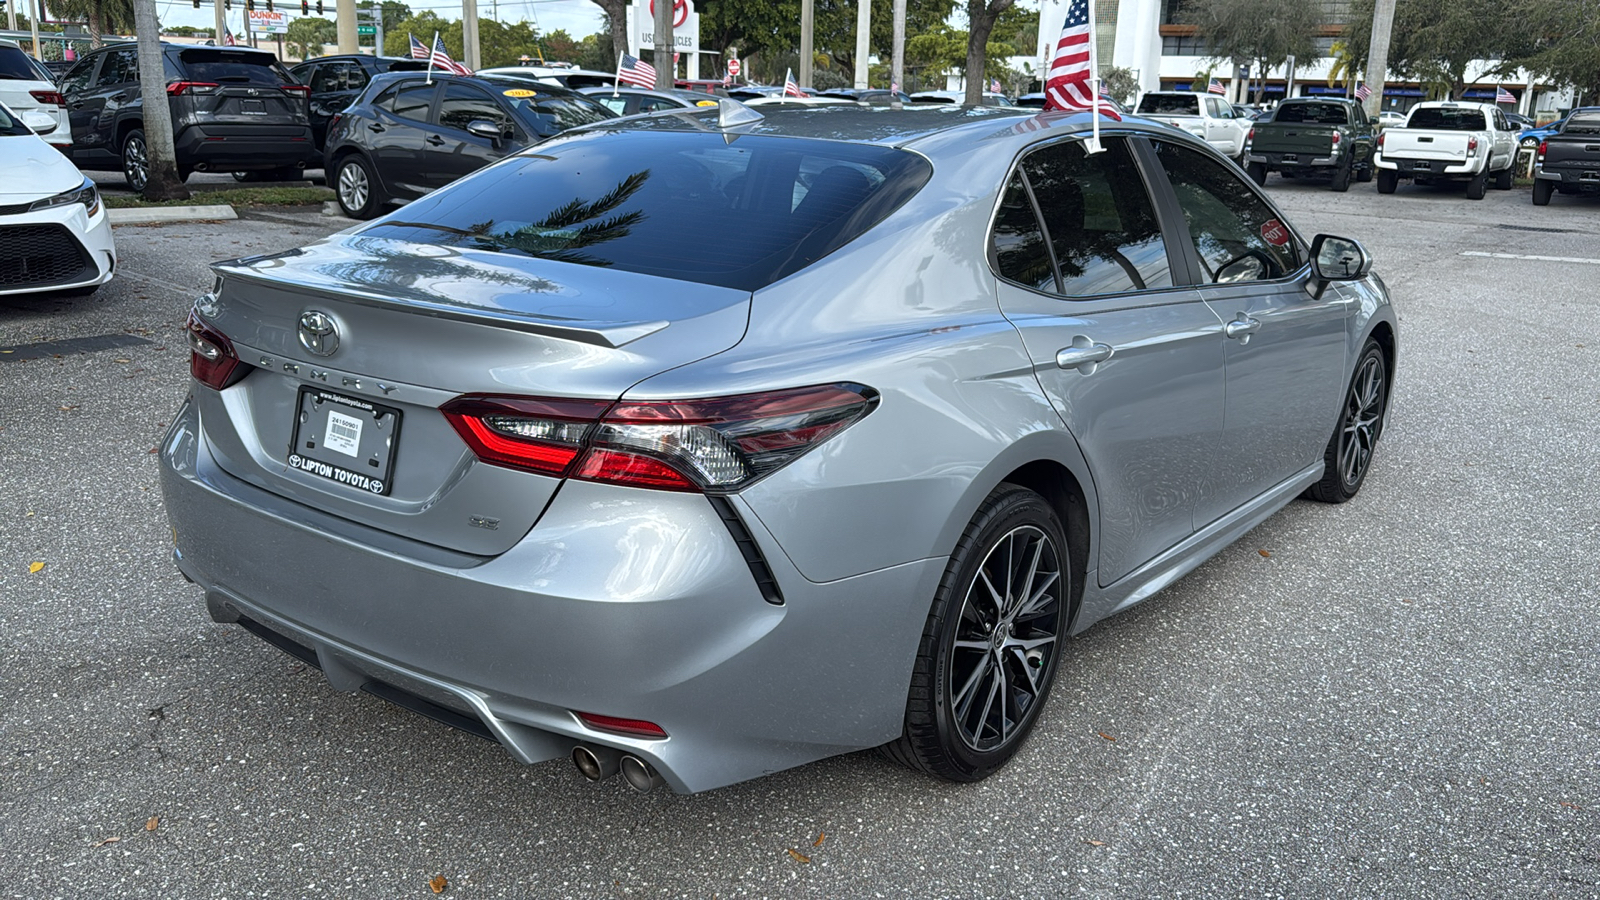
(307, 34)
(394, 12)
(981, 18)
(1119, 83)
(1260, 33)
(1433, 41)
(1562, 41)
(764, 31)
(101, 16)
(498, 44)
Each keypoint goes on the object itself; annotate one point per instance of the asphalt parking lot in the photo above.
(1398, 697)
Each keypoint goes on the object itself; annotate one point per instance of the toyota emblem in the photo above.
(318, 333)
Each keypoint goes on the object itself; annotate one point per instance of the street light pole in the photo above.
(863, 32)
(469, 34)
(345, 17)
(807, 50)
(666, 69)
(897, 64)
(221, 23)
(1378, 54)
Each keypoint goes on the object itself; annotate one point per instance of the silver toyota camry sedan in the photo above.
(706, 444)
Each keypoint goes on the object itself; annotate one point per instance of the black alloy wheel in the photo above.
(1349, 453)
(992, 643)
(135, 161)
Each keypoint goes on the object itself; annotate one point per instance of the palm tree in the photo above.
(102, 16)
(1345, 67)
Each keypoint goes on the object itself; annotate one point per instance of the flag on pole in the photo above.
(636, 71)
(1067, 82)
(1363, 92)
(1501, 95)
(227, 38)
(441, 58)
(790, 88)
(994, 86)
(1215, 87)
(894, 86)
(419, 50)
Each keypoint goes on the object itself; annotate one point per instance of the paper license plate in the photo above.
(253, 107)
(1422, 165)
(345, 439)
(1291, 157)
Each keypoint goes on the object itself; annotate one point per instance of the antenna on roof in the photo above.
(731, 112)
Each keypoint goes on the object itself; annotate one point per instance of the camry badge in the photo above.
(318, 333)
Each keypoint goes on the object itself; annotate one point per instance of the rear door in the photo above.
(394, 137)
(1132, 363)
(76, 87)
(115, 86)
(1285, 347)
(450, 151)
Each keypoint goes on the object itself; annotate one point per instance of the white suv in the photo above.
(27, 89)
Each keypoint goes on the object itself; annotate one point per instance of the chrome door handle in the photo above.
(1242, 327)
(435, 140)
(1084, 355)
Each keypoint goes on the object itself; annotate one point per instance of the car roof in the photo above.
(483, 78)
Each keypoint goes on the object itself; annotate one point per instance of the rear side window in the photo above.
(1098, 219)
(1583, 123)
(1020, 253)
(1170, 104)
(10, 127)
(1312, 113)
(120, 67)
(14, 66)
(1438, 118)
(689, 206)
(409, 100)
(233, 67)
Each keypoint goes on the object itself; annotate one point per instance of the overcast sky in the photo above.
(577, 17)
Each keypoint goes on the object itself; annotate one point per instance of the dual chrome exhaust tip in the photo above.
(599, 763)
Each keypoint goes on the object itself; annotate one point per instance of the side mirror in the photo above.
(485, 129)
(1338, 259)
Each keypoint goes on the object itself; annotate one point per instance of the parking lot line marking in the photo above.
(1566, 259)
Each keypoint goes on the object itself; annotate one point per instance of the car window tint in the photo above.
(233, 67)
(77, 77)
(1311, 113)
(355, 76)
(1170, 104)
(408, 101)
(547, 113)
(463, 103)
(1227, 220)
(10, 127)
(1098, 218)
(1020, 253)
(14, 65)
(329, 77)
(1439, 118)
(1582, 123)
(643, 200)
(120, 67)
(651, 104)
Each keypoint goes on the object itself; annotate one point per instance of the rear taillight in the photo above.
(301, 89)
(1472, 145)
(719, 444)
(1336, 138)
(179, 88)
(212, 360)
(1380, 140)
(49, 98)
(1541, 149)
(1251, 136)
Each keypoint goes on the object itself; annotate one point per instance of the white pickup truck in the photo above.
(1206, 116)
(1445, 141)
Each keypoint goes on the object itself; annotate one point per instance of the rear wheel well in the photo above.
(1057, 485)
(123, 127)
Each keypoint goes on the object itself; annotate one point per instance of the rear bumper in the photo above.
(1586, 180)
(1406, 167)
(240, 150)
(1274, 160)
(620, 601)
(72, 226)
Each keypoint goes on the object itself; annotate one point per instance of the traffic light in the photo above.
(250, 5)
(305, 7)
(319, 7)
(196, 4)
(269, 6)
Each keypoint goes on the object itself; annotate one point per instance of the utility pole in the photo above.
(469, 35)
(863, 32)
(377, 28)
(897, 65)
(665, 43)
(808, 10)
(33, 26)
(1378, 54)
(11, 15)
(345, 17)
(161, 160)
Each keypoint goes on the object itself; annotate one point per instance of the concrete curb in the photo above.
(150, 214)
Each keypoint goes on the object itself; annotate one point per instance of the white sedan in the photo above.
(54, 233)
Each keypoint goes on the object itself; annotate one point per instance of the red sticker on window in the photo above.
(1275, 233)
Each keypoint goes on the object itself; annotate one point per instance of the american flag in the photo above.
(636, 71)
(994, 86)
(227, 39)
(1363, 92)
(1067, 83)
(419, 50)
(441, 58)
(790, 88)
(1215, 87)
(1501, 95)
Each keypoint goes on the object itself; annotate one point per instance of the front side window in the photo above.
(1098, 219)
(462, 103)
(1236, 234)
(77, 77)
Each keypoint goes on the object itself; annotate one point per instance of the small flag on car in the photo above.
(1066, 85)
(1215, 87)
(790, 88)
(1501, 95)
(636, 71)
(994, 86)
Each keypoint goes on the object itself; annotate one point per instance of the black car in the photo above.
(336, 82)
(233, 109)
(869, 96)
(408, 135)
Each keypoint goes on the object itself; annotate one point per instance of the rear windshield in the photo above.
(14, 66)
(1170, 104)
(233, 67)
(1582, 123)
(689, 206)
(1312, 114)
(1438, 118)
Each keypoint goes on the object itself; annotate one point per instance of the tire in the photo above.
(1478, 185)
(136, 161)
(1387, 181)
(1364, 174)
(1013, 642)
(1541, 192)
(1258, 173)
(1348, 456)
(357, 188)
(1341, 179)
(1502, 178)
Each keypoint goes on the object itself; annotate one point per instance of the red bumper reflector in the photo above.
(634, 727)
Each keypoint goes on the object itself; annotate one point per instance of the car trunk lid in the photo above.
(354, 344)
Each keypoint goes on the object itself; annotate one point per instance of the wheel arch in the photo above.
(337, 158)
(124, 127)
